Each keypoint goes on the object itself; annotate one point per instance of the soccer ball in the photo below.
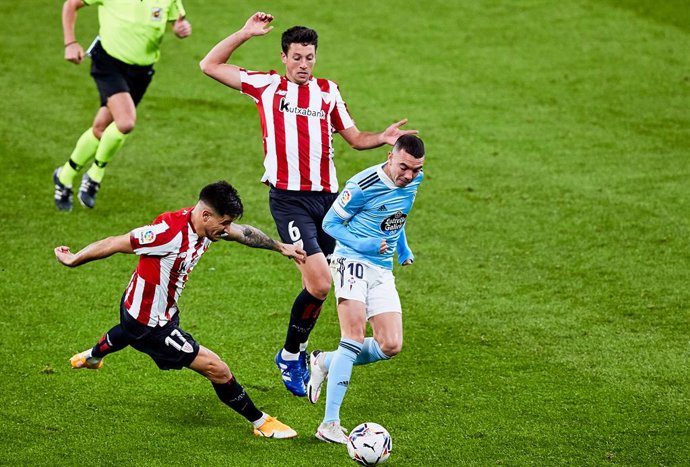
(369, 444)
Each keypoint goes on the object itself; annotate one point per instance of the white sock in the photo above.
(303, 346)
(261, 421)
(285, 355)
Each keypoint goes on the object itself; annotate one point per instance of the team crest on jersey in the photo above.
(394, 222)
(156, 13)
(345, 197)
(351, 280)
(326, 97)
(146, 237)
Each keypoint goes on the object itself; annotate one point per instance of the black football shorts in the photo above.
(113, 76)
(170, 347)
(298, 216)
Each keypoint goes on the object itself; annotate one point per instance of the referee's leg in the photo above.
(117, 120)
(124, 116)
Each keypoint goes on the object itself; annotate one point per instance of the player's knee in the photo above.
(320, 288)
(126, 125)
(97, 131)
(391, 347)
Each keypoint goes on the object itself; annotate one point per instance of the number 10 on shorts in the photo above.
(356, 269)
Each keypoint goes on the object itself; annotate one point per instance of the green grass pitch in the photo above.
(547, 312)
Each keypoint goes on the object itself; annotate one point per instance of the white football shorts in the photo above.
(372, 285)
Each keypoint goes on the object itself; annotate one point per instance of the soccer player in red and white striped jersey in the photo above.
(299, 114)
(168, 250)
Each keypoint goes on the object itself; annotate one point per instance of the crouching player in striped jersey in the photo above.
(169, 249)
(368, 222)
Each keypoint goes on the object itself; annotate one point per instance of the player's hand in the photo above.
(258, 24)
(64, 255)
(293, 251)
(182, 28)
(383, 247)
(74, 53)
(407, 262)
(391, 134)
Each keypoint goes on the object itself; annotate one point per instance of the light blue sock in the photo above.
(327, 359)
(339, 372)
(371, 352)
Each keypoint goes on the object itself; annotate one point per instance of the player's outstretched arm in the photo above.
(97, 250)
(215, 63)
(367, 140)
(73, 51)
(255, 238)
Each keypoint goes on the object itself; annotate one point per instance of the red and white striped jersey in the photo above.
(169, 249)
(298, 122)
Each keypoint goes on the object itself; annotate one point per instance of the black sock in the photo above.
(113, 340)
(303, 316)
(234, 396)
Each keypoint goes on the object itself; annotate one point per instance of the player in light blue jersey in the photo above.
(368, 222)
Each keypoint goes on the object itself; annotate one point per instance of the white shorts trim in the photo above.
(372, 285)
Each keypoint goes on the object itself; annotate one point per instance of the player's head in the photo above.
(299, 35)
(219, 205)
(411, 144)
(405, 160)
(299, 53)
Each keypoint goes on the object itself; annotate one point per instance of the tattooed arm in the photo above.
(255, 238)
(250, 236)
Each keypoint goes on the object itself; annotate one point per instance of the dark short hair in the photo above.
(223, 199)
(411, 144)
(299, 35)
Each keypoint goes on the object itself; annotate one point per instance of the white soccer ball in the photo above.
(369, 444)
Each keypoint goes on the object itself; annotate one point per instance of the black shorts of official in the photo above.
(298, 216)
(113, 76)
(169, 346)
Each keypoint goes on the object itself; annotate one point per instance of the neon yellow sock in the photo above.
(111, 141)
(83, 152)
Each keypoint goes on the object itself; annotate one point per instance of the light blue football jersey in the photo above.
(373, 208)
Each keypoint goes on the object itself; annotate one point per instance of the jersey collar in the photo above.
(385, 178)
(188, 213)
(285, 78)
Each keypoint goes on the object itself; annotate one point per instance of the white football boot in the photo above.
(318, 376)
(331, 432)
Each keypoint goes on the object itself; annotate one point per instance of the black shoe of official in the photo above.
(63, 194)
(87, 191)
